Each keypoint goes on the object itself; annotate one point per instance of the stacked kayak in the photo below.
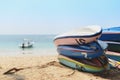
(89, 65)
(79, 36)
(112, 37)
(80, 49)
(84, 51)
(113, 63)
(113, 57)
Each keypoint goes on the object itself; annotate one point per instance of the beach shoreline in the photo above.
(44, 67)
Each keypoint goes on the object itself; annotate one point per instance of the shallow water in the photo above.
(9, 44)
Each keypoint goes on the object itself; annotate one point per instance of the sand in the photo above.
(29, 67)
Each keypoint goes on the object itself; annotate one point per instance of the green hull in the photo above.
(114, 47)
(81, 66)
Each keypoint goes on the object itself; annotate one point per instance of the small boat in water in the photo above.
(82, 35)
(92, 65)
(26, 44)
(85, 51)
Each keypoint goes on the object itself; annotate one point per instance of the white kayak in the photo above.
(79, 36)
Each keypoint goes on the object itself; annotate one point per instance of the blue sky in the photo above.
(56, 16)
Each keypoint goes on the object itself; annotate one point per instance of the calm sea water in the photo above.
(9, 44)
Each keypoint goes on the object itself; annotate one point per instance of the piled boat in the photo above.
(79, 36)
(80, 49)
(111, 36)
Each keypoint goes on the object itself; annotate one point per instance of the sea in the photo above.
(43, 45)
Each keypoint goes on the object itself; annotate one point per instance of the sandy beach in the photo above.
(29, 67)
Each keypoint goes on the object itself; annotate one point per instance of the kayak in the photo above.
(81, 35)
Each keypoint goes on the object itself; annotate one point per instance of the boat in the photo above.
(96, 65)
(103, 44)
(111, 34)
(26, 44)
(112, 37)
(81, 35)
(113, 46)
(114, 63)
(85, 51)
(113, 55)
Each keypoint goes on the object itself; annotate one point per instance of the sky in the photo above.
(56, 16)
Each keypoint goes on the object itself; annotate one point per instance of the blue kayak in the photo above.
(85, 51)
(111, 34)
(112, 37)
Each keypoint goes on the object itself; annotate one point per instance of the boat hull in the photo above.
(29, 46)
(113, 55)
(81, 52)
(112, 37)
(80, 36)
(114, 63)
(75, 40)
(114, 46)
(111, 34)
(72, 63)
